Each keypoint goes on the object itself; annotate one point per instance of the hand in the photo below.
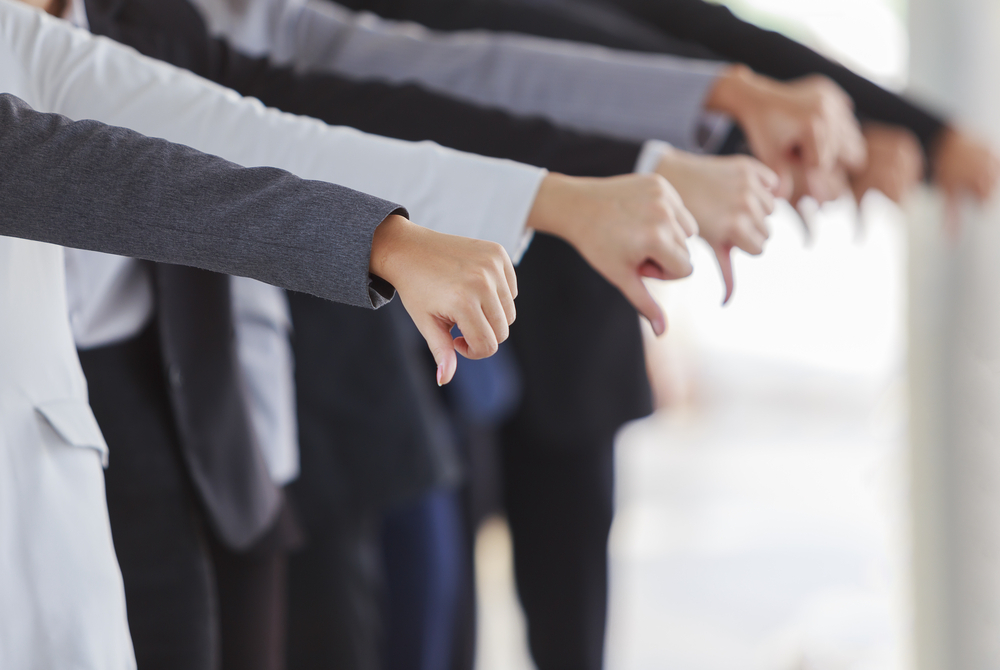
(805, 127)
(626, 227)
(444, 281)
(729, 197)
(895, 162)
(964, 166)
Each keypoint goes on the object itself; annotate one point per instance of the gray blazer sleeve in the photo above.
(92, 186)
(630, 95)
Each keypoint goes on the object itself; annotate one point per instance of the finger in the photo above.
(511, 275)
(637, 294)
(859, 187)
(768, 178)
(478, 338)
(765, 193)
(507, 303)
(437, 334)
(686, 220)
(497, 317)
(854, 148)
(806, 221)
(673, 258)
(814, 147)
(652, 270)
(758, 217)
(746, 237)
(722, 255)
(786, 179)
(826, 185)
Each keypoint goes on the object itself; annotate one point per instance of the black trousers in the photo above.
(559, 504)
(192, 603)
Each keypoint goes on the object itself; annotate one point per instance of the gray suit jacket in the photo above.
(91, 186)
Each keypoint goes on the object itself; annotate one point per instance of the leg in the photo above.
(422, 544)
(334, 590)
(252, 587)
(559, 505)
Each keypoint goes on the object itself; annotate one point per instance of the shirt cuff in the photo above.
(652, 153)
(713, 129)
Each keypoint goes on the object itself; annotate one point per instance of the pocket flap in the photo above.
(74, 421)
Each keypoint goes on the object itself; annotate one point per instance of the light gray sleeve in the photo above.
(92, 186)
(629, 95)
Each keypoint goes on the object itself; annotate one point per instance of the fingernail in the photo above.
(440, 373)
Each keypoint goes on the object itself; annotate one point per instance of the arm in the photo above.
(73, 73)
(119, 192)
(470, 195)
(638, 96)
(957, 162)
(170, 30)
(718, 29)
(630, 86)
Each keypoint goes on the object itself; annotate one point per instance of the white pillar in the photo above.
(955, 360)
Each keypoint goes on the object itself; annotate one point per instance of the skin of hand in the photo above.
(895, 162)
(729, 196)
(962, 165)
(627, 227)
(800, 129)
(53, 7)
(444, 281)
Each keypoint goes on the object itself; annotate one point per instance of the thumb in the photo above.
(723, 255)
(637, 294)
(786, 181)
(437, 333)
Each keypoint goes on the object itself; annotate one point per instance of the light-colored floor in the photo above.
(760, 519)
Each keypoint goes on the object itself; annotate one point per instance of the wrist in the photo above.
(736, 92)
(554, 204)
(393, 241)
(671, 160)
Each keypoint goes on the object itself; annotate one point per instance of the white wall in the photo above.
(955, 360)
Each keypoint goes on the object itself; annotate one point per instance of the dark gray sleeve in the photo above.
(92, 186)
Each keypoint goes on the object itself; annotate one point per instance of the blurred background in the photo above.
(769, 514)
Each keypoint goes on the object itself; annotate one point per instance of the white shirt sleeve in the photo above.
(68, 71)
(625, 94)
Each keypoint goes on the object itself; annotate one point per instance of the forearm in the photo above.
(445, 190)
(717, 28)
(637, 96)
(122, 193)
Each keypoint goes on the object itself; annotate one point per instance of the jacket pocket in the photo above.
(74, 421)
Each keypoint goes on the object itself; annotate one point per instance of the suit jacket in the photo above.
(570, 298)
(63, 601)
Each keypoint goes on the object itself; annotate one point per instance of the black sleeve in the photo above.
(718, 29)
(173, 31)
(689, 28)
